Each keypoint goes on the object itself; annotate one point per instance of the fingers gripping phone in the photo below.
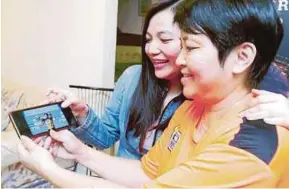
(39, 120)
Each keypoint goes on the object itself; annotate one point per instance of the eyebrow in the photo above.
(161, 32)
(194, 41)
(185, 38)
(165, 32)
(147, 33)
(188, 38)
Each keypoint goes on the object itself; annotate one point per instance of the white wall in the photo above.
(59, 42)
(109, 43)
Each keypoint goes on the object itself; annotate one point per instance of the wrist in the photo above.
(83, 153)
(82, 115)
(49, 169)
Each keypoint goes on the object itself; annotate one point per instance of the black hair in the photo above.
(150, 92)
(229, 23)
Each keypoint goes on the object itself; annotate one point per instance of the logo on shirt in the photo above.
(175, 137)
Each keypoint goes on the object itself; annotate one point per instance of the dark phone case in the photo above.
(40, 134)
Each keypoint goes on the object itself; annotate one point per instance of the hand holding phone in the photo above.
(78, 106)
(39, 120)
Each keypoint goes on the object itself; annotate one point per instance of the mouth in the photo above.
(158, 64)
(186, 77)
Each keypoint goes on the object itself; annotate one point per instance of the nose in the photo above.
(181, 59)
(153, 48)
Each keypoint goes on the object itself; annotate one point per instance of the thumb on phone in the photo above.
(56, 136)
(63, 136)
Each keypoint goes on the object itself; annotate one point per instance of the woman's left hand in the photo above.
(34, 157)
(271, 107)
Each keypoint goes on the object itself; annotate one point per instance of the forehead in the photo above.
(198, 38)
(162, 21)
(188, 36)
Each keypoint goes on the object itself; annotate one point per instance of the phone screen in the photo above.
(39, 120)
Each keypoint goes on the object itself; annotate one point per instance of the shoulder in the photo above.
(129, 78)
(182, 110)
(132, 71)
(257, 138)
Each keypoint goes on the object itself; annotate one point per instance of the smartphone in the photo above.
(39, 120)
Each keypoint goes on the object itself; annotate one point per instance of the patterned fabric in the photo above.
(15, 175)
(10, 101)
(275, 80)
(283, 65)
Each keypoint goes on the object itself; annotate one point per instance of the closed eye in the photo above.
(147, 40)
(166, 40)
(190, 48)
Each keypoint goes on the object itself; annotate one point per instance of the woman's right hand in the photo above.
(62, 144)
(78, 107)
(65, 145)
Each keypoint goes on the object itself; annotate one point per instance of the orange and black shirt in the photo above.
(223, 150)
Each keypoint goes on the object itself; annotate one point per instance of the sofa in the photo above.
(13, 173)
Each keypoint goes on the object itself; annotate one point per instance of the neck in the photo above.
(175, 86)
(228, 101)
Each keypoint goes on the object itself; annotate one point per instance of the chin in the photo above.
(160, 76)
(189, 93)
(163, 75)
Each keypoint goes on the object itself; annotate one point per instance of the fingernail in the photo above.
(22, 138)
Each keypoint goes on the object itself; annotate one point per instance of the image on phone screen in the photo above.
(39, 120)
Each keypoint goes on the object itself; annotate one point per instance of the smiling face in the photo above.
(163, 45)
(203, 76)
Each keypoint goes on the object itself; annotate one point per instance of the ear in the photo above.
(246, 53)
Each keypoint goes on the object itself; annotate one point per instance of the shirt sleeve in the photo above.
(103, 131)
(218, 165)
